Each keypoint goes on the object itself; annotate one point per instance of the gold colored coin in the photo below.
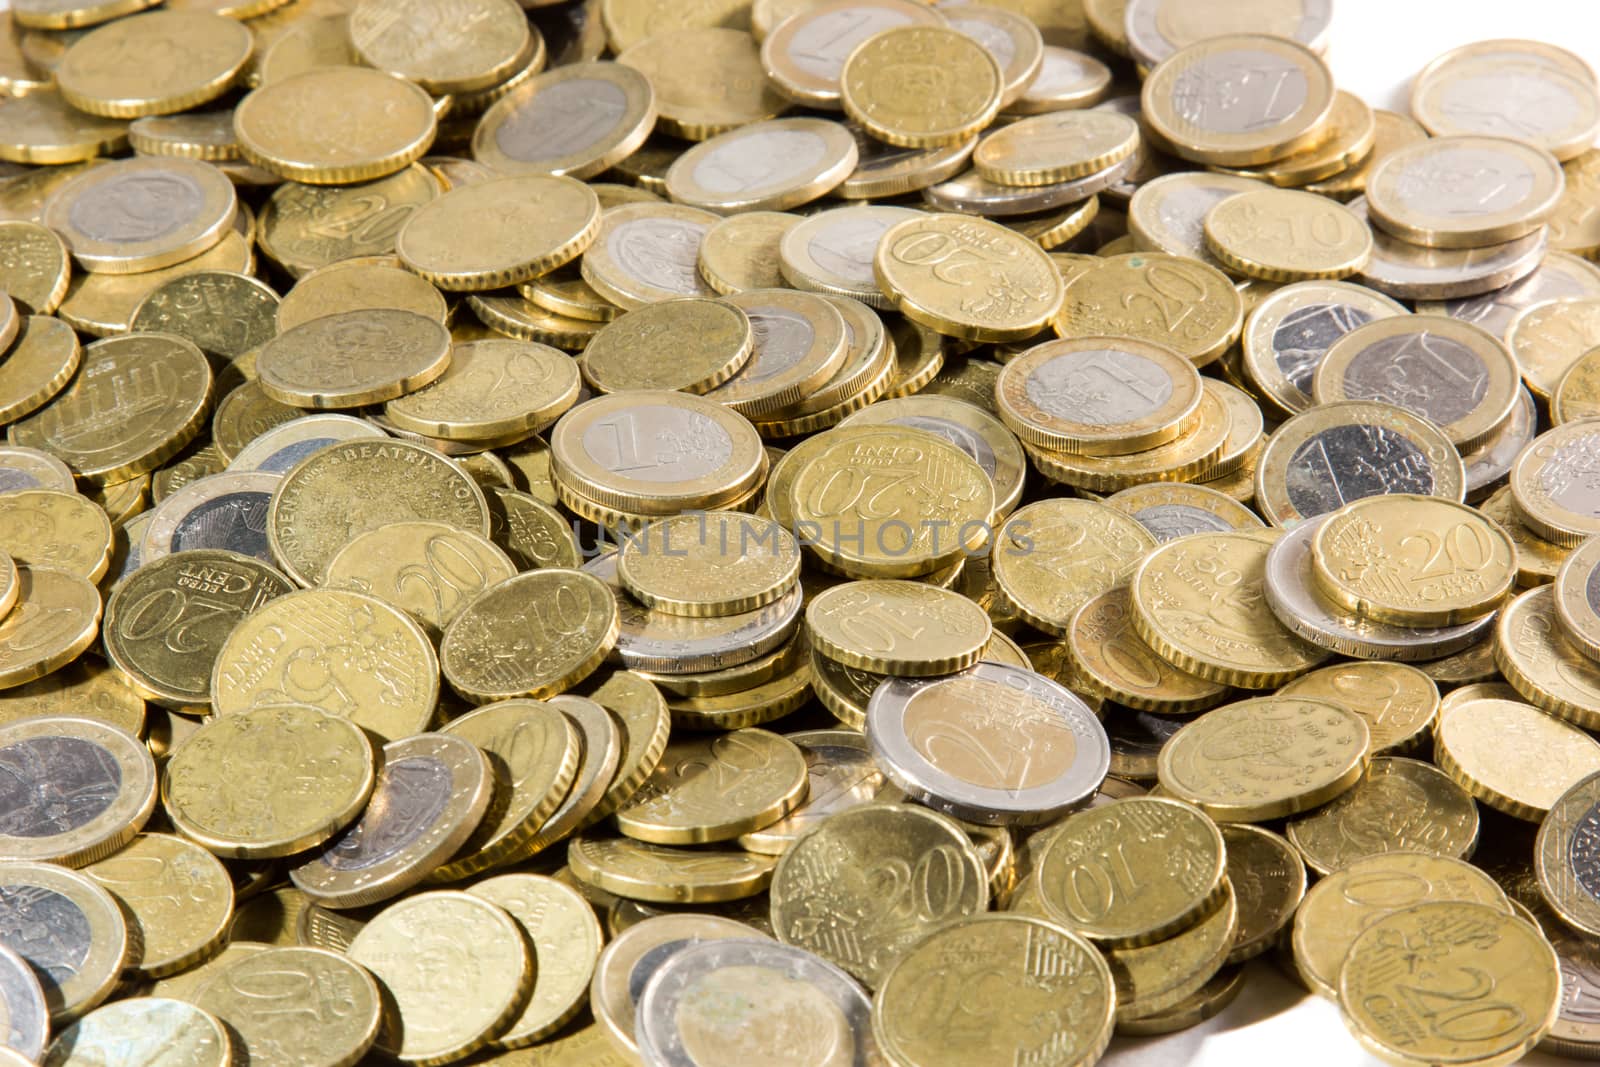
(902, 628)
(1170, 510)
(1053, 557)
(346, 489)
(479, 46)
(1549, 501)
(1563, 860)
(204, 135)
(1507, 956)
(43, 128)
(91, 929)
(1512, 756)
(153, 64)
(741, 251)
(1550, 338)
(381, 354)
(1202, 323)
(178, 897)
(800, 340)
(135, 402)
(639, 871)
(1324, 743)
(490, 389)
(828, 872)
(103, 305)
(1363, 560)
(688, 345)
(802, 159)
(691, 103)
(912, 266)
(1467, 210)
(987, 964)
(141, 1032)
(646, 725)
(433, 792)
(109, 772)
(564, 292)
(429, 570)
(1198, 602)
(687, 801)
(1111, 660)
(226, 314)
(575, 120)
(1243, 128)
(344, 653)
(307, 981)
(293, 235)
(1577, 394)
(1155, 978)
(35, 268)
(56, 529)
(1350, 135)
(501, 232)
(1269, 879)
(805, 56)
(1573, 227)
(921, 86)
(1400, 805)
(442, 1017)
(1056, 147)
(166, 625)
(84, 690)
(1144, 396)
(513, 316)
(1399, 702)
(56, 617)
(90, 214)
(238, 786)
(1283, 235)
(530, 531)
(724, 563)
(534, 634)
(1394, 131)
(355, 285)
(335, 125)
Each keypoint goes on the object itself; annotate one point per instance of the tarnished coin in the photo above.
(108, 774)
(1045, 755)
(353, 358)
(1113, 661)
(534, 634)
(350, 655)
(141, 214)
(1207, 311)
(905, 628)
(177, 897)
(662, 874)
(1332, 454)
(237, 787)
(830, 874)
(1054, 556)
(56, 617)
(1207, 762)
(23, 1007)
(881, 76)
(688, 345)
(687, 800)
(766, 166)
(56, 529)
(1155, 978)
(724, 563)
(69, 931)
(437, 1018)
(1269, 879)
(143, 1031)
(1400, 805)
(306, 980)
(226, 512)
(432, 793)
(1290, 332)
(1512, 756)
(1551, 498)
(1507, 954)
(225, 313)
(490, 41)
(1338, 908)
(1464, 191)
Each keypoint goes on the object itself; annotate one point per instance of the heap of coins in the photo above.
(820, 532)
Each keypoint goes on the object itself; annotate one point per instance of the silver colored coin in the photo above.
(1012, 39)
(805, 54)
(1489, 464)
(1559, 276)
(1412, 272)
(63, 776)
(1507, 93)
(1136, 738)
(24, 1016)
(796, 335)
(659, 254)
(29, 468)
(883, 169)
(677, 644)
(840, 774)
(1068, 754)
(773, 165)
(1453, 192)
(286, 444)
(566, 119)
(1291, 330)
(970, 428)
(775, 995)
(227, 511)
(1167, 214)
(1158, 28)
(974, 194)
(1067, 79)
(1576, 1033)
(602, 751)
(832, 251)
(431, 794)
(1292, 597)
(1145, 165)
(1168, 522)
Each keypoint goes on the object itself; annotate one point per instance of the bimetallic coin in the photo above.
(766, 166)
(29, 468)
(278, 447)
(1512, 756)
(139, 215)
(575, 120)
(68, 929)
(1551, 497)
(1560, 276)
(225, 512)
(23, 1008)
(1414, 272)
(1476, 89)
(841, 775)
(1564, 859)
(1067, 754)
(799, 342)
(1172, 510)
(1155, 29)
(805, 55)
(971, 192)
(107, 775)
(885, 170)
(143, 1031)
(1463, 207)
(1167, 214)
(833, 251)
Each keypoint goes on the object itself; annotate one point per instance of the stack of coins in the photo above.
(793, 531)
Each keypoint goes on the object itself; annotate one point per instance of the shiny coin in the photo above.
(1156, 978)
(1290, 332)
(1310, 467)
(335, 125)
(1212, 101)
(23, 1006)
(1284, 235)
(1474, 90)
(1564, 861)
(885, 170)
(688, 104)
(491, 41)
(1400, 703)
(1351, 134)
(1173, 510)
(37, 266)
(489, 390)
(432, 793)
(805, 56)
(646, 253)
(56, 529)
(1112, 661)
(1400, 805)
(1067, 754)
(1155, 29)
(235, 787)
(175, 894)
(741, 251)
(1548, 339)
(534, 634)
(767, 166)
(187, 58)
(840, 775)
(374, 665)
(1212, 311)
(833, 251)
(1464, 208)
(104, 214)
(1560, 276)
(1338, 908)
(800, 341)
(659, 873)
(438, 1018)
(904, 628)
(206, 135)
(165, 625)
(1509, 954)
(910, 267)
(48, 913)
(44, 128)
(1269, 880)
(829, 873)
(1054, 556)
(110, 775)
(1167, 214)
(1011, 37)
(302, 975)
(1538, 561)
(498, 233)
(29, 468)
(274, 441)
(1550, 499)
(1575, 395)
(56, 617)
(971, 192)
(878, 80)
(530, 531)
(686, 800)
(135, 402)
(427, 569)
(142, 1031)
(1392, 132)
(688, 345)
(358, 285)
(575, 120)
(223, 511)
(724, 563)
(1056, 147)
(1410, 271)
(1512, 756)
(1326, 743)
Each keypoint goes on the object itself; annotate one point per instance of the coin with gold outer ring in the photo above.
(187, 58)
(687, 800)
(1579, 614)
(1563, 860)
(54, 757)
(893, 627)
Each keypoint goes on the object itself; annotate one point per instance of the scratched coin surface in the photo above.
(68, 929)
(178, 897)
(142, 1030)
(1400, 805)
(22, 1006)
(338, 1002)
(226, 512)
